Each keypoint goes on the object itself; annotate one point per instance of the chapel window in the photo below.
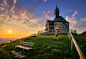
(64, 26)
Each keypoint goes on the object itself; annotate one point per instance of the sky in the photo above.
(26, 17)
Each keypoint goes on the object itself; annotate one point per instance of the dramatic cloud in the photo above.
(69, 10)
(73, 21)
(3, 25)
(1, 5)
(15, 1)
(35, 20)
(2, 16)
(83, 19)
(39, 4)
(1, 8)
(17, 11)
(45, 0)
(24, 17)
(29, 13)
(48, 14)
(7, 2)
(23, 22)
(76, 25)
(75, 13)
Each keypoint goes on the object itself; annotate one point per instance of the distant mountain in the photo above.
(5, 40)
(83, 34)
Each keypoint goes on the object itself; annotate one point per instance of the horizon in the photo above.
(20, 19)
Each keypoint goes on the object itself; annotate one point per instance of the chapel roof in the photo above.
(50, 22)
(59, 19)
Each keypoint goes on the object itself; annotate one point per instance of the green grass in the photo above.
(46, 47)
(81, 42)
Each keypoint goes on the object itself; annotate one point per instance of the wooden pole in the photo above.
(81, 55)
(71, 44)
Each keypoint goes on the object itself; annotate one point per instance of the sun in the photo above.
(9, 31)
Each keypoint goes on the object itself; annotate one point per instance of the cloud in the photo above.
(29, 13)
(3, 25)
(7, 2)
(48, 14)
(15, 1)
(77, 25)
(1, 8)
(1, 4)
(83, 19)
(23, 22)
(23, 16)
(45, 0)
(17, 11)
(10, 21)
(39, 4)
(73, 21)
(75, 13)
(2, 17)
(35, 20)
(30, 26)
(10, 16)
(69, 10)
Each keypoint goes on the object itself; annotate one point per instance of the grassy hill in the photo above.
(46, 47)
(83, 34)
(81, 42)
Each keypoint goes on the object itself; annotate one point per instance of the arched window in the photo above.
(56, 24)
(64, 26)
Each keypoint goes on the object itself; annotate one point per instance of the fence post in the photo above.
(69, 36)
(72, 44)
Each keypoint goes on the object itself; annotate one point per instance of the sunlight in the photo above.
(9, 31)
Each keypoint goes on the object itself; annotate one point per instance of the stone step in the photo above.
(27, 44)
(23, 47)
(18, 54)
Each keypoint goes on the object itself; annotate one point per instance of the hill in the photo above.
(81, 42)
(46, 47)
(83, 34)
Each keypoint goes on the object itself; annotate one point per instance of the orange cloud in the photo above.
(72, 20)
(3, 25)
(75, 13)
(69, 10)
(39, 4)
(1, 8)
(15, 1)
(45, 0)
(1, 4)
(48, 14)
(83, 19)
(7, 2)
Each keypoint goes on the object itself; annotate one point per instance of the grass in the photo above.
(46, 47)
(81, 41)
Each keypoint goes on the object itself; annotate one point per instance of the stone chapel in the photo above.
(58, 22)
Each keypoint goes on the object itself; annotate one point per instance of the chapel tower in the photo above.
(58, 22)
(56, 12)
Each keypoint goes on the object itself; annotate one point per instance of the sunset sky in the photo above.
(21, 18)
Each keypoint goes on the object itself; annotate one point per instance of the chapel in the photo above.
(58, 22)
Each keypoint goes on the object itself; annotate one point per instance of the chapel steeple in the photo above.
(56, 12)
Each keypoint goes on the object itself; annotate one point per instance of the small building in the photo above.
(58, 22)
